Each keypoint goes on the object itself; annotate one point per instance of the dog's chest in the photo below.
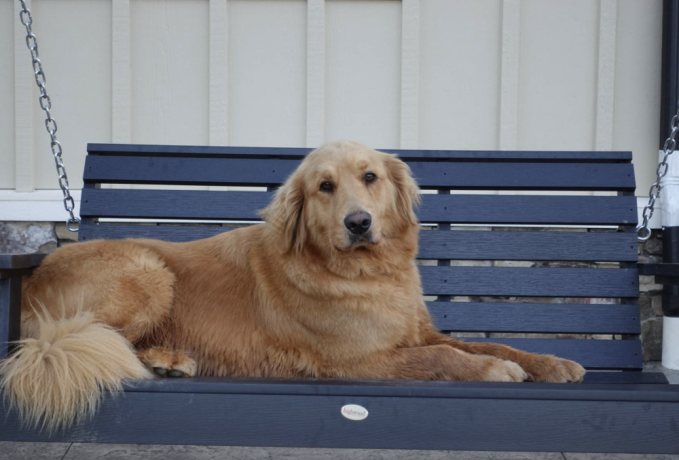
(366, 324)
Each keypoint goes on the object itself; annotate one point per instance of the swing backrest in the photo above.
(541, 253)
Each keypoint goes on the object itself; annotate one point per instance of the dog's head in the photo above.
(344, 198)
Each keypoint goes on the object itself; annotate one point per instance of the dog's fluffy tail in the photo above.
(60, 378)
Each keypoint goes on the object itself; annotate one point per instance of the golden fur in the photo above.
(299, 296)
(59, 378)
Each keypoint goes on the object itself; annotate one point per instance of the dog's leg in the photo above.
(540, 368)
(168, 363)
(438, 362)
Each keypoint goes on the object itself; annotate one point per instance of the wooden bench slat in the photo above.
(272, 172)
(174, 233)
(525, 245)
(297, 152)
(397, 388)
(533, 282)
(421, 388)
(521, 209)
(489, 209)
(450, 416)
(535, 317)
(592, 354)
(458, 245)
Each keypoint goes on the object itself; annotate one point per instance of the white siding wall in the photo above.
(448, 74)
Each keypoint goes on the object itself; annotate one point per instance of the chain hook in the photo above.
(73, 225)
(643, 231)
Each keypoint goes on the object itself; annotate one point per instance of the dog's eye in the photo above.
(370, 177)
(327, 186)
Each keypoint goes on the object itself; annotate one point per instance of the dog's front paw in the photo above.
(168, 363)
(499, 370)
(554, 370)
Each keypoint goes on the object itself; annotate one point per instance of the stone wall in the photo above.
(650, 300)
(27, 237)
(23, 237)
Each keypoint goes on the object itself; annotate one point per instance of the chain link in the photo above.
(73, 222)
(643, 232)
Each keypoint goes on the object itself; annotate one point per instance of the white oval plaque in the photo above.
(354, 412)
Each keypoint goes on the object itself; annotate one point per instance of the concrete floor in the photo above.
(77, 451)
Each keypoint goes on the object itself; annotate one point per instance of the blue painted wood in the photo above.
(495, 209)
(175, 204)
(527, 245)
(533, 282)
(592, 354)
(550, 210)
(669, 269)
(610, 386)
(20, 261)
(632, 422)
(10, 311)
(535, 317)
(524, 175)
(191, 171)
(590, 389)
(637, 378)
(274, 171)
(458, 245)
(294, 152)
(174, 233)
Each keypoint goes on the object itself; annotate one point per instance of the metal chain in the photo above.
(73, 222)
(643, 232)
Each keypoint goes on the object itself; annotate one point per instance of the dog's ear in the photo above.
(408, 193)
(285, 214)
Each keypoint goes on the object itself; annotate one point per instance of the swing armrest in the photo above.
(13, 267)
(666, 274)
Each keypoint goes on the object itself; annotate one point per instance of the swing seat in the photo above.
(617, 408)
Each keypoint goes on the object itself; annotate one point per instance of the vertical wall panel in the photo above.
(170, 71)
(509, 78)
(121, 93)
(315, 73)
(559, 63)
(75, 48)
(267, 72)
(219, 72)
(7, 19)
(24, 153)
(410, 73)
(608, 20)
(363, 75)
(460, 74)
(637, 86)
(219, 75)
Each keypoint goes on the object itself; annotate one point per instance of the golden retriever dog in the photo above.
(327, 287)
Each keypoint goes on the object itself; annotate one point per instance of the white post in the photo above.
(669, 200)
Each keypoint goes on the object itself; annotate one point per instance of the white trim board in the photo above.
(46, 206)
(37, 206)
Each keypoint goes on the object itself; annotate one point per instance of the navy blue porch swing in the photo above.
(624, 411)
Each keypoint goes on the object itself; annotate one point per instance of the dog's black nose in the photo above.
(358, 223)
